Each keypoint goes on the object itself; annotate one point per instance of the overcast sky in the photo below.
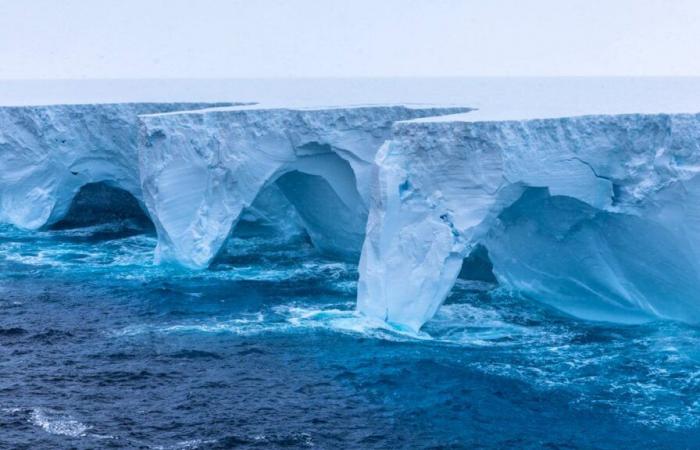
(346, 38)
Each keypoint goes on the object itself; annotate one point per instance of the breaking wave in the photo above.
(57, 423)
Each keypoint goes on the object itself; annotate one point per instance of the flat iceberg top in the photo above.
(281, 108)
(490, 115)
(495, 98)
(470, 119)
(145, 107)
(528, 99)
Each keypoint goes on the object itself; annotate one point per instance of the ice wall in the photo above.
(596, 215)
(202, 170)
(47, 153)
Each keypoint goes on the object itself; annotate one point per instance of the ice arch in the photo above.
(615, 200)
(322, 194)
(201, 170)
(47, 153)
(331, 209)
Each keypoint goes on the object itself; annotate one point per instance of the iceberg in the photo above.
(595, 215)
(50, 152)
(203, 170)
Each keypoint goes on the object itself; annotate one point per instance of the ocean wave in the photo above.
(54, 422)
(646, 374)
(597, 365)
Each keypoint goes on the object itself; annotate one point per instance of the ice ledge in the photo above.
(521, 113)
(269, 106)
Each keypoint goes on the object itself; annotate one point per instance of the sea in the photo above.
(102, 348)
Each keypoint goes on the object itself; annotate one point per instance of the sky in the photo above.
(74, 39)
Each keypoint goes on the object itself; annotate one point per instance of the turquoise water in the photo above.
(100, 348)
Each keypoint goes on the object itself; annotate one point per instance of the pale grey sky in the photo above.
(346, 38)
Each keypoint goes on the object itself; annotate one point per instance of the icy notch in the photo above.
(596, 215)
(49, 152)
(203, 170)
(98, 203)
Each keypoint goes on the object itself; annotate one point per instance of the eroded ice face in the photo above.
(202, 169)
(50, 152)
(595, 215)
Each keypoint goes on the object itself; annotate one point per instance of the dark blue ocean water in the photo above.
(99, 348)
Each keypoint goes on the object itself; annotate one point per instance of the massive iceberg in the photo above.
(202, 171)
(596, 215)
(50, 152)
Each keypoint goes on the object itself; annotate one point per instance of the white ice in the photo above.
(583, 192)
(49, 152)
(611, 231)
(201, 170)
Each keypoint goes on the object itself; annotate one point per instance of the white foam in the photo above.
(57, 423)
(458, 324)
(189, 444)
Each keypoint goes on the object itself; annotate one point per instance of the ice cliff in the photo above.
(596, 215)
(47, 153)
(203, 170)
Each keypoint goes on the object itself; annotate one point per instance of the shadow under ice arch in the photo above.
(102, 202)
(330, 208)
(201, 170)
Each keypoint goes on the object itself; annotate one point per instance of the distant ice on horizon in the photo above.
(495, 98)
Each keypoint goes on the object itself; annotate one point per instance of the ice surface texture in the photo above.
(596, 215)
(47, 153)
(202, 170)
